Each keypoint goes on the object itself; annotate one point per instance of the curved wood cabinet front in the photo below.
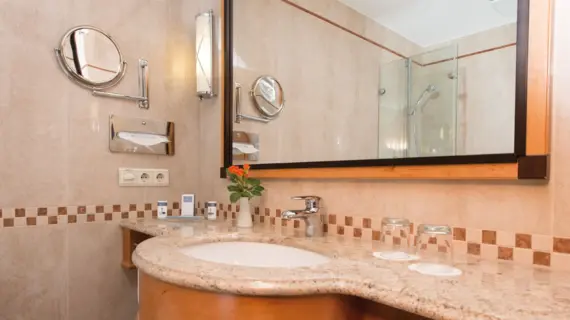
(164, 301)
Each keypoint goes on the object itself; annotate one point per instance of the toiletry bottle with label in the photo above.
(211, 210)
(162, 209)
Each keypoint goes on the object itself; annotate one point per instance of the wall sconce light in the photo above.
(205, 55)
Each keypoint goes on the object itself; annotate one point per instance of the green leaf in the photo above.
(256, 193)
(254, 182)
(234, 197)
(259, 188)
(233, 188)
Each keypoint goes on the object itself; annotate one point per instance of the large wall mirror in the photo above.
(416, 89)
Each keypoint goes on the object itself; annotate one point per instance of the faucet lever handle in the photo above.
(311, 202)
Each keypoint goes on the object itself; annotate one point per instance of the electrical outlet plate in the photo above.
(135, 177)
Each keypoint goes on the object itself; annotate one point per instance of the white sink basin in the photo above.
(254, 254)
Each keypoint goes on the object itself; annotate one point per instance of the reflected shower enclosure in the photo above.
(418, 105)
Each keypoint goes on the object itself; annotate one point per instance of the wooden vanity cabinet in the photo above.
(163, 301)
(131, 240)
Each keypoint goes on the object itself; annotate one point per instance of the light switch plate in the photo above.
(135, 177)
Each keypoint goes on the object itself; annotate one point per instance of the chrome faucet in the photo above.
(314, 219)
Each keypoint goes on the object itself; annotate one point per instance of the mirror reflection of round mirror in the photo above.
(91, 57)
(268, 96)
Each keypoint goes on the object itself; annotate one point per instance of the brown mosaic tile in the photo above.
(474, 248)
(31, 221)
(366, 223)
(20, 212)
(412, 228)
(175, 205)
(8, 222)
(52, 220)
(140, 214)
(154, 213)
(541, 258)
(168, 212)
(221, 206)
(296, 224)
(459, 234)
(397, 241)
(489, 237)
(376, 235)
(272, 221)
(109, 216)
(229, 207)
(237, 208)
(348, 221)
(267, 212)
(283, 222)
(116, 208)
(124, 215)
(340, 230)
(357, 233)
(332, 218)
(132, 207)
(523, 241)
(81, 210)
(505, 253)
(256, 210)
(234, 216)
(432, 240)
(442, 249)
(90, 218)
(325, 228)
(561, 245)
(42, 212)
(148, 206)
(262, 219)
(278, 213)
(100, 209)
(62, 211)
(72, 219)
(225, 214)
(0, 213)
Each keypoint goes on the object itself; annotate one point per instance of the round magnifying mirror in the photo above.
(91, 58)
(268, 96)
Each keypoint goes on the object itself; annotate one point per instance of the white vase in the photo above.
(244, 219)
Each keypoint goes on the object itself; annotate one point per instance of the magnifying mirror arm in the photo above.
(239, 115)
(142, 99)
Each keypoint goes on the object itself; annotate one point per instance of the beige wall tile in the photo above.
(99, 288)
(34, 277)
(523, 256)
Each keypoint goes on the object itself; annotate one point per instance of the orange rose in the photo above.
(234, 170)
(246, 167)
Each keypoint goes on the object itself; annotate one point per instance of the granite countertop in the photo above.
(486, 290)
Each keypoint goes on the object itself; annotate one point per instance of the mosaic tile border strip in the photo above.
(530, 249)
(40, 216)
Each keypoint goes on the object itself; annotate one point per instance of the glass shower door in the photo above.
(392, 122)
(432, 108)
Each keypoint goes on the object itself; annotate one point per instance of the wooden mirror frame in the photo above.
(532, 119)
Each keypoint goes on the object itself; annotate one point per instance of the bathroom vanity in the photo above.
(350, 284)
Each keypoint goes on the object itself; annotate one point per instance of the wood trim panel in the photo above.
(163, 301)
(538, 104)
(503, 171)
(127, 262)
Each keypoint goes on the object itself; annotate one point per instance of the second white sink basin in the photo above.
(254, 254)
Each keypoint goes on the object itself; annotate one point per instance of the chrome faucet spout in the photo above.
(313, 217)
